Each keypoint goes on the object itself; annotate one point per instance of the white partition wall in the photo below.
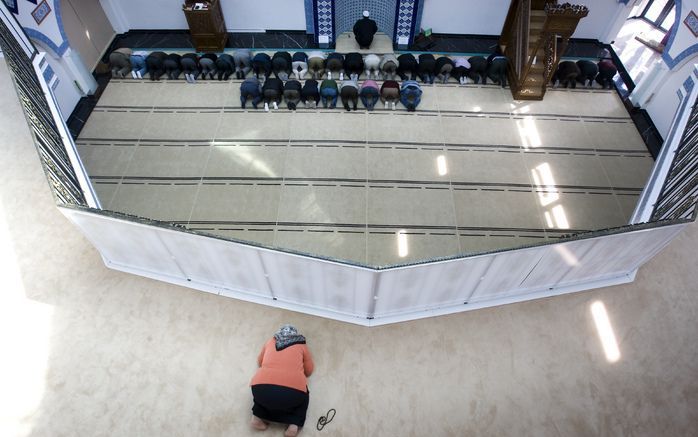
(322, 285)
(361, 295)
(523, 274)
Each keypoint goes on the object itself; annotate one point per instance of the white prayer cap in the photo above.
(366, 14)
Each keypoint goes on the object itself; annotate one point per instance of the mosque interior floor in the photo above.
(471, 171)
(346, 43)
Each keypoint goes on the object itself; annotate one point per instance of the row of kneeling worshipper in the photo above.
(568, 73)
(274, 90)
(318, 64)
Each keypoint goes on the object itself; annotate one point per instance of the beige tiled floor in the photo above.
(471, 170)
(88, 351)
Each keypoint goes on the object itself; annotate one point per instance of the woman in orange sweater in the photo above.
(280, 387)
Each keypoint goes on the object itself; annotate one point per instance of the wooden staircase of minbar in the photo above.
(534, 36)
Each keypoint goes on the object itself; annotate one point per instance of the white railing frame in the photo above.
(660, 171)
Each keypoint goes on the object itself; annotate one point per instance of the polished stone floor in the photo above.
(88, 351)
(471, 171)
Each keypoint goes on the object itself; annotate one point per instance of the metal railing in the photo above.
(678, 197)
(64, 171)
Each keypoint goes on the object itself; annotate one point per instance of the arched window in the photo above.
(660, 13)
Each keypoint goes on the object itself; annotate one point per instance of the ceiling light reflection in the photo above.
(402, 249)
(528, 133)
(242, 156)
(605, 331)
(543, 178)
(560, 217)
(549, 219)
(441, 165)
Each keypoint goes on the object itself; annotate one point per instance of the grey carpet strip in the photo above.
(482, 229)
(345, 143)
(380, 111)
(362, 183)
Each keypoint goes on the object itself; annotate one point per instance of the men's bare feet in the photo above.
(258, 423)
(291, 431)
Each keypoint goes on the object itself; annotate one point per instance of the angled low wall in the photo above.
(361, 295)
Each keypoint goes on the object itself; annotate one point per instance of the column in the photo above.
(324, 22)
(406, 22)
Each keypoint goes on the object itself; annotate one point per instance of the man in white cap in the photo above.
(364, 29)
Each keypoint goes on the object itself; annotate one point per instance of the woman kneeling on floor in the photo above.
(280, 386)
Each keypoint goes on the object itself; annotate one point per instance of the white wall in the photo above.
(665, 102)
(66, 93)
(684, 38)
(603, 15)
(487, 18)
(481, 18)
(240, 15)
(87, 28)
(264, 14)
(49, 27)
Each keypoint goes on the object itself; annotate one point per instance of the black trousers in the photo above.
(275, 403)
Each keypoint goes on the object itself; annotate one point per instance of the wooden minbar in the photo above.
(207, 26)
(534, 38)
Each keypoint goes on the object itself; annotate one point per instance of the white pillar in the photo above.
(646, 87)
(80, 74)
(114, 12)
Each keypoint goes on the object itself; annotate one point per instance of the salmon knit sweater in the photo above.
(288, 367)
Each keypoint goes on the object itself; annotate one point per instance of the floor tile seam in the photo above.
(549, 150)
(610, 182)
(283, 179)
(375, 227)
(451, 113)
(597, 146)
(366, 151)
(208, 160)
(135, 148)
(450, 178)
(599, 159)
(539, 208)
(520, 188)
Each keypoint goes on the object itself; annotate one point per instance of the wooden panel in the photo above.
(207, 27)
